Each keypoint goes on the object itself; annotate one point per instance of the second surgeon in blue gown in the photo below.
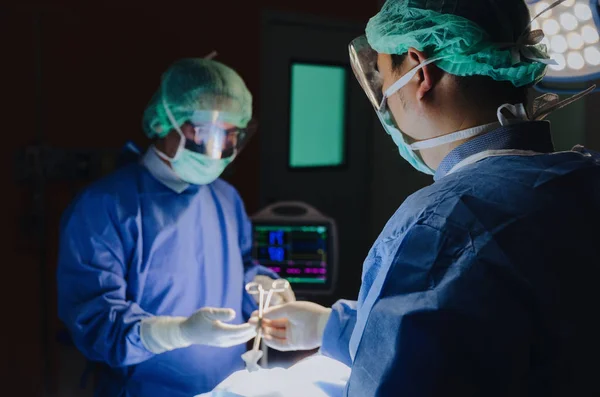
(142, 250)
(485, 282)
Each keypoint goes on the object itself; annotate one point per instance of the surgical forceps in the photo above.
(251, 357)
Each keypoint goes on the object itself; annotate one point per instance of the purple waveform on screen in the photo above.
(293, 271)
(315, 270)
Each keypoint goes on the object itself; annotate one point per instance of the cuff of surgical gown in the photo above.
(336, 337)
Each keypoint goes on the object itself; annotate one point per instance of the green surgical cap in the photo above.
(192, 87)
(464, 47)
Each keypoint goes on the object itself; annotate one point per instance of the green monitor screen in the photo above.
(317, 115)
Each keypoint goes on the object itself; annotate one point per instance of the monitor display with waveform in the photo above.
(298, 253)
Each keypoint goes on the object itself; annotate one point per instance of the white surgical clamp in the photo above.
(251, 357)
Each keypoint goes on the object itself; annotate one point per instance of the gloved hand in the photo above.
(205, 327)
(278, 298)
(294, 326)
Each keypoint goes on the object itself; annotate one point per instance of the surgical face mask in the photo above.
(196, 168)
(385, 116)
(199, 163)
(412, 157)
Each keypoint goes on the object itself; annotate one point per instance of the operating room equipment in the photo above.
(299, 243)
(572, 38)
(252, 356)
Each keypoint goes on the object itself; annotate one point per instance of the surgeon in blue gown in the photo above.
(154, 258)
(485, 282)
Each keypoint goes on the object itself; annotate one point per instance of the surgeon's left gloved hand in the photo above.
(294, 325)
(278, 298)
(205, 327)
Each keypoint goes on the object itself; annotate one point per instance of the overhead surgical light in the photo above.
(572, 38)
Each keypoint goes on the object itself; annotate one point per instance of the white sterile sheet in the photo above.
(315, 376)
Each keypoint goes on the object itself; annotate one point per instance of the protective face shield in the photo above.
(363, 60)
(215, 144)
(216, 139)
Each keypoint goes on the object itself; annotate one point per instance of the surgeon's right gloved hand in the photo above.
(294, 325)
(205, 327)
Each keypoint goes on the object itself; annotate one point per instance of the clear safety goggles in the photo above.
(363, 60)
(218, 140)
(212, 135)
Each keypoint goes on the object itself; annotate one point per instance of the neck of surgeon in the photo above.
(453, 120)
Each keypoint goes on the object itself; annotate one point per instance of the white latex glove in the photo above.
(278, 298)
(294, 325)
(205, 327)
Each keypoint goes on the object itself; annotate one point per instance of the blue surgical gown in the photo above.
(131, 248)
(485, 282)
